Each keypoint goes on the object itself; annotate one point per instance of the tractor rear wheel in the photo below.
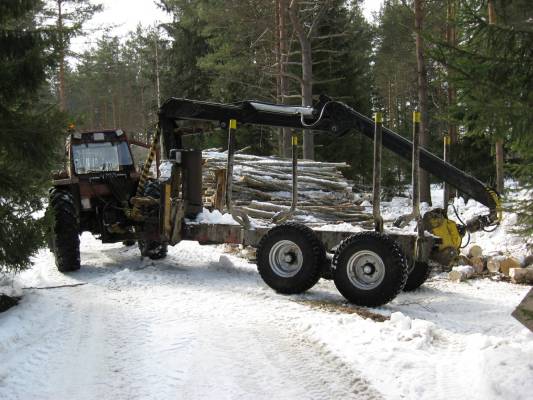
(290, 258)
(65, 240)
(151, 248)
(370, 269)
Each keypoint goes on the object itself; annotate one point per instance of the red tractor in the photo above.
(94, 193)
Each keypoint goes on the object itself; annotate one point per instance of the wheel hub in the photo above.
(285, 258)
(365, 269)
(369, 269)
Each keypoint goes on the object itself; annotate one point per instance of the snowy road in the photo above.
(192, 330)
(201, 325)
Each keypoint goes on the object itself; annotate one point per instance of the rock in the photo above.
(475, 251)
(524, 311)
(521, 275)
(478, 263)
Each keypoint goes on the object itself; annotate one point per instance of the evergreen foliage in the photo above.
(493, 67)
(29, 131)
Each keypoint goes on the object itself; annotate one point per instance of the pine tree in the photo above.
(69, 17)
(30, 131)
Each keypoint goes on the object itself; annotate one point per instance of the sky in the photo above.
(371, 6)
(127, 14)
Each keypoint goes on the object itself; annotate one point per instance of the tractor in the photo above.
(100, 191)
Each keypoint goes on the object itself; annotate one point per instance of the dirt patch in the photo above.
(345, 308)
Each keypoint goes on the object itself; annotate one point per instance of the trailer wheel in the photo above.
(370, 269)
(151, 248)
(65, 240)
(417, 276)
(290, 258)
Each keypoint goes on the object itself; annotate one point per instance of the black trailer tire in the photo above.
(417, 276)
(370, 269)
(290, 258)
(65, 240)
(152, 249)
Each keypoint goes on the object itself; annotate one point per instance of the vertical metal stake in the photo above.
(286, 214)
(240, 217)
(416, 184)
(446, 190)
(376, 204)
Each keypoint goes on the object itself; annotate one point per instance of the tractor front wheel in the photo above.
(65, 240)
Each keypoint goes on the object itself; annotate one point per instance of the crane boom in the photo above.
(326, 116)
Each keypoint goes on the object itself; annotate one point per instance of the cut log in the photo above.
(475, 251)
(478, 263)
(521, 275)
(502, 264)
(461, 273)
(507, 264)
(493, 264)
(262, 185)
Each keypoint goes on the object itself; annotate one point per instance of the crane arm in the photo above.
(326, 116)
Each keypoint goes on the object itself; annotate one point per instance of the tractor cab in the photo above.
(100, 152)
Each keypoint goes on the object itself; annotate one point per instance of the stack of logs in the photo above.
(476, 264)
(262, 187)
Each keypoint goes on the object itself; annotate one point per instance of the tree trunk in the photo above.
(425, 193)
(283, 81)
(499, 142)
(307, 96)
(61, 77)
(451, 39)
(499, 166)
(306, 82)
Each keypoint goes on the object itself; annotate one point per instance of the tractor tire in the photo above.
(370, 269)
(65, 240)
(417, 277)
(290, 258)
(152, 249)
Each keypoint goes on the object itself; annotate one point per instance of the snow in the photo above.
(165, 169)
(9, 286)
(214, 217)
(202, 324)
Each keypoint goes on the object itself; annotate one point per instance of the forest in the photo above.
(466, 65)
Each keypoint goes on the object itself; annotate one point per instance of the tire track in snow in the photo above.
(136, 335)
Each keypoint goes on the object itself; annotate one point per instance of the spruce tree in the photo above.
(30, 131)
(493, 71)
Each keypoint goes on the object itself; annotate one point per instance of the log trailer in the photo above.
(101, 192)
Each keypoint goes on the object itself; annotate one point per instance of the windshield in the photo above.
(96, 157)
